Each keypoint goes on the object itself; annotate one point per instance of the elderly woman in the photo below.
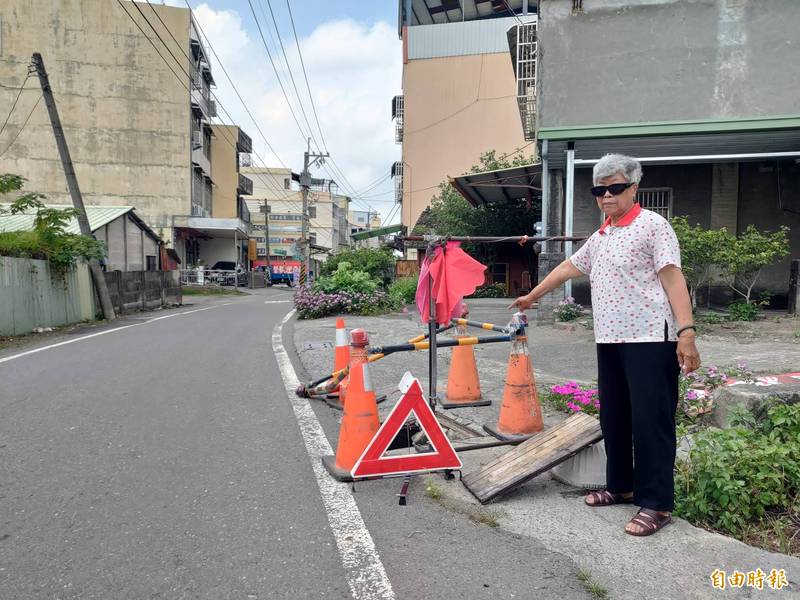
(644, 332)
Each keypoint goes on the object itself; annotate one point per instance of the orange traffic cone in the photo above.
(341, 358)
(463, 384)
(520, 415)
(360, 420)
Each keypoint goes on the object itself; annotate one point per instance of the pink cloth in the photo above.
(455, 275)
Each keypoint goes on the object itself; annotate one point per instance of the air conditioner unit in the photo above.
(197, 140)
(212, 108)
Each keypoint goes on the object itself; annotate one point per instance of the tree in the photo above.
(744, 257)
(699, 252)
(48, 239)
(450, 214)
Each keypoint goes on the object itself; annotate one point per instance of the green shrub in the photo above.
(48, 240)
(347, 279)
(734, 477)
(404, 290)
(493, 290)
(741, 310)
(377, 262)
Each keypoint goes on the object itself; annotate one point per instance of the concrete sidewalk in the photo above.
(676, 563)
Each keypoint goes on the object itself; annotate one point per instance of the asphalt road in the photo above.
(164, 460)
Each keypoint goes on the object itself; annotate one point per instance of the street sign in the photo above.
(278, 252)
(373, 463)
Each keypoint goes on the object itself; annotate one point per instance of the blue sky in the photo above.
(354, 63)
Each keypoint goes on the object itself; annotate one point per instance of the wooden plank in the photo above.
(544, 440)
(559, 436)
(533, 457)
(500, 487)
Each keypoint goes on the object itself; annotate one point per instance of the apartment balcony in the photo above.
(522, 44)
(244, 144)
(398, 109)
(397, 175)
(245, 186)
(200, 160)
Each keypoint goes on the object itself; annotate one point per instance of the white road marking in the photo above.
(363, 567)
(99, 333)
(277, 301)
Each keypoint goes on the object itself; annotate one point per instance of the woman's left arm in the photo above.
(674, 284)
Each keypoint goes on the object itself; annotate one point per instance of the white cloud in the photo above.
(354, 70)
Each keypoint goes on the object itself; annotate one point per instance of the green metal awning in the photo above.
(614, 130)
(371, 233)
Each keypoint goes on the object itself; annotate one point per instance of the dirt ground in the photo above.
(772, 326)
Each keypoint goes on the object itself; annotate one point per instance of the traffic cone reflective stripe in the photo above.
(463, 383)
(360, 421)
(520, 414)
(341, 356)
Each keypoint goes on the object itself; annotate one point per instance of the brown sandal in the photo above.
(606, 498)
(650, 520)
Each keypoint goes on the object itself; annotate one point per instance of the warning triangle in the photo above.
(372, 462)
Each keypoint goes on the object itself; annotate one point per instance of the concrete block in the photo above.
(753, 397)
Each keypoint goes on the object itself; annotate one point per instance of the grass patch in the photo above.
(591, 586)
(478, 515)
(210, 291)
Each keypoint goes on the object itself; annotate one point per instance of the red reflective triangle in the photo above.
(372, 462)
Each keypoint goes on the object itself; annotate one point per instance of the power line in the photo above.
(289, 70)
(274, 68)
(180, 80)
(334, 168)
(183, 51)
(23, 126)
(14, 104)
(305, 76)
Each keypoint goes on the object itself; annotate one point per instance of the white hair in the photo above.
(613, 164)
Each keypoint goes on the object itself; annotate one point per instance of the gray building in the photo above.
(704, 93)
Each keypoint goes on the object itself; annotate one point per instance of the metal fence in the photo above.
(217, 277)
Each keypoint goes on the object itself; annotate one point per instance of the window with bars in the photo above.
(659, 200)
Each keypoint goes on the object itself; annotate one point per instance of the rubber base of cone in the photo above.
(329, 462)
(445, 403)
(334, 401)
(508, 437)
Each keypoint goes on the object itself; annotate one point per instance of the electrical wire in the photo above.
(222, 107)
(14, 104)
(23, 126)
(305, 75)
(334, 170)
(289, 68)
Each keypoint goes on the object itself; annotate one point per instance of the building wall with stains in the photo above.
(618, 61)
(126, 116)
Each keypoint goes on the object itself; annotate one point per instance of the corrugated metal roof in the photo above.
(98, 216)
(678, 145)
(460, 39)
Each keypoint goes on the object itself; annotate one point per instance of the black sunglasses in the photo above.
(616, 189)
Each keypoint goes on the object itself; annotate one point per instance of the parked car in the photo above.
(230, 276)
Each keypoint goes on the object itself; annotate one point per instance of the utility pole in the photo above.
(309, 160)
(266, 210)
(72, 184)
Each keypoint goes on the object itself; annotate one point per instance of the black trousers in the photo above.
(638, 387)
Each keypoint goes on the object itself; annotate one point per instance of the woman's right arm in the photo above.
(556, 278)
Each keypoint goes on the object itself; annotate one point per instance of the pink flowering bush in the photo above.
(572, 398)
(695, 389)
(314, 304)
